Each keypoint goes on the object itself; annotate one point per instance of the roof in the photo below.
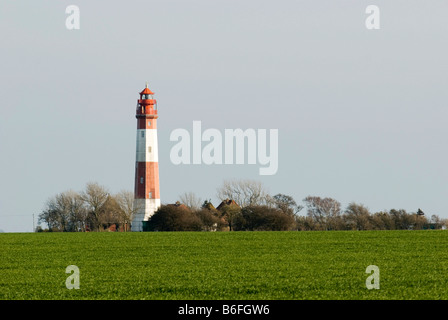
(178, 205)
(227, 202)
(146, 90)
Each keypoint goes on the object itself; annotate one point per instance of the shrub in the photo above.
(258, 218)
(174, 218)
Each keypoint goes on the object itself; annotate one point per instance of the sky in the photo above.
(361, 113)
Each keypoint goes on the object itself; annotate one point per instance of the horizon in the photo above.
(360, 113)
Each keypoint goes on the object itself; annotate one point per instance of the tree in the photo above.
(357, 217)
(230, 211)
(325, 211)
(259, 218)
(436, 222)
(244, 192)
(110, 213)
(50, 215)
(209, 219)
(126, 203)
(64, 212)
(78, 211)
(190, 200)
(382, 221)
(402, 220)
(419, 221)
(95, 196)
(287, 204)
(306, 223)
(61, 208)
(174, 218)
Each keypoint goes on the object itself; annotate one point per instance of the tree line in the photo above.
(245, 206)
(93, 209)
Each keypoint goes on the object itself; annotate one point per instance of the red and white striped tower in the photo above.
(146, 192)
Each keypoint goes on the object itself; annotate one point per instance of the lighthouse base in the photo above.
(137, 225)
(145, 208)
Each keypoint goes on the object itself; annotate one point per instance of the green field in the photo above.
(225, 265)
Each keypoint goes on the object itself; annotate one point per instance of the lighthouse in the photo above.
(146, 190)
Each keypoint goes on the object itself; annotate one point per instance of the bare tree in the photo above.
(64, 212)
(419, 220)
(402, 220)
(244, 192)
(125, 200)
(78, 211)
(190, 200)
(95, 196)
(110, 213)
(325, 211)
(287, 204)
(382, 221)
(61, 205)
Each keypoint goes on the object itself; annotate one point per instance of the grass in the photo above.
(225, 265)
